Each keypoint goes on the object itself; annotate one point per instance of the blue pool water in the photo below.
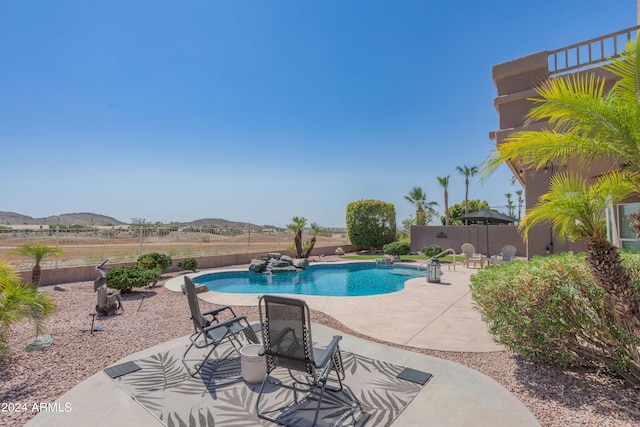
(352, 279)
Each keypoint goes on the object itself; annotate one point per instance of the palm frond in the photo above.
(23, 302)
(575, 209)
(627, 67)
(568, 102)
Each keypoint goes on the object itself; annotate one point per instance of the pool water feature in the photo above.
(345, 279)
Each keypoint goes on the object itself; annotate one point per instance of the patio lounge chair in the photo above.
(470, 256)
(508, 252)
(212, 332)
(286, 335)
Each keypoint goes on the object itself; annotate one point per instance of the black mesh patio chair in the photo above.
(210, 331)
(286, 335)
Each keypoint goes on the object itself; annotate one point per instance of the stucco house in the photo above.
(515, 81)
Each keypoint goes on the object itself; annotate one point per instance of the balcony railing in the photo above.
(590, 53)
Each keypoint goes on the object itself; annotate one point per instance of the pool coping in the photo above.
(177, 286)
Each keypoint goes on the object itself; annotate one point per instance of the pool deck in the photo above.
(425, 315)
(434, 316)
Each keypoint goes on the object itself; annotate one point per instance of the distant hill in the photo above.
(91, 219)
(83, 218)
(217, 222)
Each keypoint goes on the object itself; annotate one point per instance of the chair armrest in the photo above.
(329, 351)
(225, 324)
(215, 311)
(250, 333)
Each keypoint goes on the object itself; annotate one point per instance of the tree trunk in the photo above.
(298, 243)
(421, 217)
(35, 274)
(466, 200)
(609, 272)
(446, 207)
(312, 243)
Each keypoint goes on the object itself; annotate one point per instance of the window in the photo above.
(628, 239)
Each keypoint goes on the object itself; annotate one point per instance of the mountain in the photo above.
(217, 222)
(83, 218)
(91, 219)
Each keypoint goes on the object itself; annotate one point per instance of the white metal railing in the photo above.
(590, 53)
(449, 265)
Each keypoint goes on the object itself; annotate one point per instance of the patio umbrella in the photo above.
(488, 216)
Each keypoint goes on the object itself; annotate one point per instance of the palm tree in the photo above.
(298, 224)
(308, 246)
(444, 183)
(577, 211)
(467, 172)
(424, 209)
(520, 202)
(37, 252)
(19, 303)
(418, 198)
(510, 206)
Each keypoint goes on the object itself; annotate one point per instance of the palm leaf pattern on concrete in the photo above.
(221, 397)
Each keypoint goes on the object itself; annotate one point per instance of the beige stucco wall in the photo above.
(457, 235)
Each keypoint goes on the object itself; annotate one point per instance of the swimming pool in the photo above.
(348, 279)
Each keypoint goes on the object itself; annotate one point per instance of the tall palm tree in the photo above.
(586, 123)
(424, 210)
(444, 183)
(467, 172)
(37, 252)
(510, 206)
(19, 303)
(418, 198)
(298, 224)
(577, 211)
(520, 202)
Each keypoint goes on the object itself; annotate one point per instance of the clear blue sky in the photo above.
(260, 110)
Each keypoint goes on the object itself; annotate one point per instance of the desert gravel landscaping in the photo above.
(556, 397)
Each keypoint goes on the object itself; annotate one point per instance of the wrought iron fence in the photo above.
(87, 246)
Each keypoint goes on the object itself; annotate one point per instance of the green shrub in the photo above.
(154, 260)
(632, 262)
(397, 248)
(371, 223)
(190, 264)
(432, 250)
(18, 303)
(127, 278)
(551, 309)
